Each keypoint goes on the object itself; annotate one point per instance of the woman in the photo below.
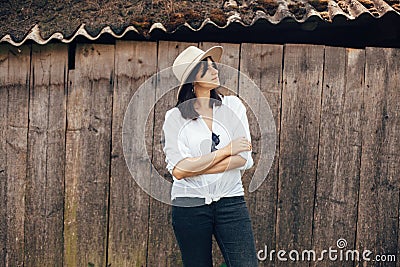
(207, 144)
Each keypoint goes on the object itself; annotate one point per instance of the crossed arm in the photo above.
(215, 162)
(235, 155)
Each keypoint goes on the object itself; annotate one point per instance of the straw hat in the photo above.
(188, 59)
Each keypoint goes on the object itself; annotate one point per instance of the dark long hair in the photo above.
(185, 104)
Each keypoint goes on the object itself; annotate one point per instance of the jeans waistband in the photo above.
(197, 201)
(188, 201)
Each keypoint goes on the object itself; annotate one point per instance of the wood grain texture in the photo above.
(3, 151)
(135, 62)
(46, 150)
(301, 104)
(88, 156)
(378, 219)
(339, 151)
(163, 249)
(17, 84)
(66, 194)
(263, 65)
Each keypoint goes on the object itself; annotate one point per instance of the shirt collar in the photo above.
(222, 103)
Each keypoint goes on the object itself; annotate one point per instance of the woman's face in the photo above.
(210, 79)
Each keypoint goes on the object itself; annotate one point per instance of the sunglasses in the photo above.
(215, 142)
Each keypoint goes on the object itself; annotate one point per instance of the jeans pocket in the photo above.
(231, 202)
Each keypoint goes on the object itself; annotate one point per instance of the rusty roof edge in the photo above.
(282, 14)
(334, 10)
(383, 7)
(34, 35)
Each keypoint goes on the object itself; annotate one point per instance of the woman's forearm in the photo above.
(197, 165)
(228, 163)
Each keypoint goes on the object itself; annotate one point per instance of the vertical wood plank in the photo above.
(335, 215)
(3, 150)
(46, 151)
(70, 183)
(135, 62)
(378, 219)
(229, 86)
(163, 249)
(263, 65)
(88, 156)
(16, 138)
(301, 101)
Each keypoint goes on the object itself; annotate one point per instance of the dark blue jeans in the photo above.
(227, 219)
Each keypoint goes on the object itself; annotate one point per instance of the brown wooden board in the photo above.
(335, 212)
(46, 150)
(70, 183)
(163, 249)
(3, 150)
(263, 65)
(301, 104)
(378, 211)
(17, 84)
(88, 139)
(135, 62)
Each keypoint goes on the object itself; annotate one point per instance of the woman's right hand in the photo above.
(238, 145)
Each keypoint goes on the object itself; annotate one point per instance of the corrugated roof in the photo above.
(45, 20)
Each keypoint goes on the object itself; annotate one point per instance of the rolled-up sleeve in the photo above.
(174, 147)
(242, 129)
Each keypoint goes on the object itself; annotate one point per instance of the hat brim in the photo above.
(214, 52)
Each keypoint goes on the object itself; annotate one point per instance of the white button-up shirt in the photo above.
(192, 138)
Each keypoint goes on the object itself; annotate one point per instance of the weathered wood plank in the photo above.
(3, 150)
(88, 140)
(16, 137)
(335, 215)
(378, 211)
(263, 65)
(301, 101)
(163, 249)
(71, 176)
(135, 62)
(46, 151)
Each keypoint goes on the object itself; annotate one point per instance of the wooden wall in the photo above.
(67, 197)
